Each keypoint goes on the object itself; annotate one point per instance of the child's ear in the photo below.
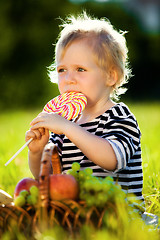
(112, 77)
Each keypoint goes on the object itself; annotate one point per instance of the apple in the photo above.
(63, 186)
(25, 184)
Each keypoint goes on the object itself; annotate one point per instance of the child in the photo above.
(91, 58)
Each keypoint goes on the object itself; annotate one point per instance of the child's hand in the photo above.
(40, 138)
(51, 121)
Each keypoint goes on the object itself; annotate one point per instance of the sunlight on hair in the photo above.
(108, 45)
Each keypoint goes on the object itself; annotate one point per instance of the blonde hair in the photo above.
(108, 45)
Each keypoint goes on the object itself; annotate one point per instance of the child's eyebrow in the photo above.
(80, 65)
(60, 66)
(73, 65)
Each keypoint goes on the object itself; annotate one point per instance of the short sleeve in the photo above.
(123, 134)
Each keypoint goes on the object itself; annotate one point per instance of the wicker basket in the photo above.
(48, 213)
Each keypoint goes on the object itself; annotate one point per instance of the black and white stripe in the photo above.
(118, 126)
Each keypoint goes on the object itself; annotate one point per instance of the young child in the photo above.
(91, 58)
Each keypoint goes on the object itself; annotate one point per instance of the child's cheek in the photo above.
(60, 85)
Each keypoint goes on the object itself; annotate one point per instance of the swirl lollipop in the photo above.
(68, 105)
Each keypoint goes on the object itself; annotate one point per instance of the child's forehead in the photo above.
(85, 42)
(78, 52)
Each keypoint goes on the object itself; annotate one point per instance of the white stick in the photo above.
(20, 150)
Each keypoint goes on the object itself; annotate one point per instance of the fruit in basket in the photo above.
(34, 191)
(32, 200)
(63, 186)
(26, 192)
(19, 201)
(24, 184)
(95, 191)
(32, 197)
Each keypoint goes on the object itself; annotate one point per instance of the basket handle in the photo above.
(49, 156)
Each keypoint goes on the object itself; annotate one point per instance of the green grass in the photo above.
(14, 124)
(148, 117)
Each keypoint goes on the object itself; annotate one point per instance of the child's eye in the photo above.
(80, 69)
(60, 70)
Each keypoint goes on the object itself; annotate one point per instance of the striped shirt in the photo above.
(119, 127)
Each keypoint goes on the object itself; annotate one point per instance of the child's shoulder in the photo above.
(120, 116)
(119, 110)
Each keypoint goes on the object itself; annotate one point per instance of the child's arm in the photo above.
(97, 149)
(94, 147)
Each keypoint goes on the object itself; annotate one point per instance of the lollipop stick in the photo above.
(20, 150)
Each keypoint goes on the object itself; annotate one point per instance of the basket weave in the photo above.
(67, 213)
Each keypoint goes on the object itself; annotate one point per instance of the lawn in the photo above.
(14, 124)
(148, 117)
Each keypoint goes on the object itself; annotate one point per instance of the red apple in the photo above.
(24, 184)
(63, 186)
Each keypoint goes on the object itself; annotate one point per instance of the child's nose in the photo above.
(70, 77)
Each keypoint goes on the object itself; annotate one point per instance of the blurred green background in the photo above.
(29, 28)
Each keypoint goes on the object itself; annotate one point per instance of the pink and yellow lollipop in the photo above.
(68, 105)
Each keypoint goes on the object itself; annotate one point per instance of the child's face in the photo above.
(78, 71)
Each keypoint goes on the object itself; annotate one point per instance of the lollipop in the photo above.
(68, 105)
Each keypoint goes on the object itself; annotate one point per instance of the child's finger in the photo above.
(37, 125)
(35, 134)
(36, 120)
(40, 118)
(42, 131)
(30, 134)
